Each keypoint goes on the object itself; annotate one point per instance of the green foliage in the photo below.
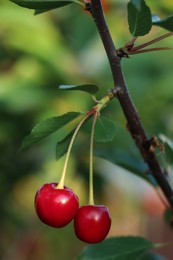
(62, 146)
(168, 216)
(126, 161)
(166, 23)
(168, 148)
(89, 88)
(48, 127)
(139, 17)
(152, 256)
(105, 130)
(119, 248)
(43, 6)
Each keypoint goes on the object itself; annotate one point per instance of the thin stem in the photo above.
(132, 41)
(60, 185)
(95, 110)
(91, 185)
(134, 124)
(152, 41)
(129, 45)
(149, 50)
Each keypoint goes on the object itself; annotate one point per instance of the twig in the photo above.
(121, 92)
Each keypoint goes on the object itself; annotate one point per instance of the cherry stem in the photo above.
(62, 180)
(95, 110)
(91, 186)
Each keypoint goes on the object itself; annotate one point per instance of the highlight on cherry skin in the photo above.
(56, 207)
(92, 223)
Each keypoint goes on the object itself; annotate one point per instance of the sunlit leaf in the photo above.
(90, 88)
(139, 17)
(166, 23)
(118, 248)
(48, 127)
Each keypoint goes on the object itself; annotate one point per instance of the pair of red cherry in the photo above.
(58, 207)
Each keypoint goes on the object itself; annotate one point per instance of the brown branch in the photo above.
(121, 92)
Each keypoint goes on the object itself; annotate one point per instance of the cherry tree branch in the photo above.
(121, 92)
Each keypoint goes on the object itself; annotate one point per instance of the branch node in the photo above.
(88, 7)
(117, 90)
(153, 143)
(122, 53)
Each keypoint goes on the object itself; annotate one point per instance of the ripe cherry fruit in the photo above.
(92, 223)
(56, 207)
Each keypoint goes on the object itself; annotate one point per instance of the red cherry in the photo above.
(56, 207)
(92, 223)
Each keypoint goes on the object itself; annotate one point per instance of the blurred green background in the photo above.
(37, 54)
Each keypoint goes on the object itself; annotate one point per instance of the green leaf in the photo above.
(118, 248)
(43, 6)
(166, 23)
(139, 17)
(48, 127)
(168, 217)
(127, 162)
(62, 146)
(105, 130)
(152, 256)
(40, 11)
(168, 153)
(90, 88)
(168, 145)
